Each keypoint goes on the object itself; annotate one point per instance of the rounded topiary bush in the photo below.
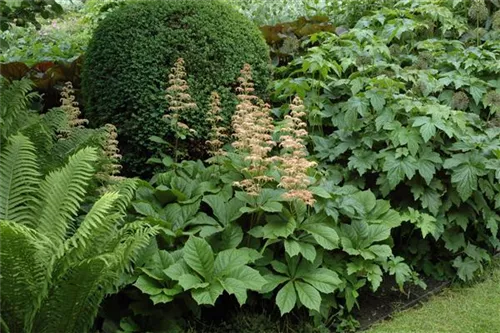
(129, 57)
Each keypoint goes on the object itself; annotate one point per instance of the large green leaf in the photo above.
(199, 256)
(308, 295)
(230, 259)
(286, 298)
(323, 279)
(249, 276)
(325, 235)
(209, 294)
(225, 211)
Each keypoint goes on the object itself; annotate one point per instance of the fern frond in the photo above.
(20, 178)
(26, 262)
(61, 194)
(129, 243)
(41, 136)
(56, 119)
(74, 298)
(14, 107)
(97, 229)
(94, 221)
(126, 188)
(77, 139)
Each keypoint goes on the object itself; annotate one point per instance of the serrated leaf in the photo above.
(427, 127)
(286, 298)
(230, 259)
(292, 248)
(356, 85)
(377, 100)
(381, 251)
(199, 256)
(236, 288)
(231, 237)
(224, 211)
(308, 251)
(189, 281)
(453, 240)
(176, 270)
(477, 93)
(323, 279)
(161, 299)
(308, 295)
(400, 270)
(272, 207)
(273, 281)
(326, 236)
(465, 178)
(397, 169)
(250, 277)
(148, 285)
(145, 208)
(277, 227)
(209, 294)
(466, 268)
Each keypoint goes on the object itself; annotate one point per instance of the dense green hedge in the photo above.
(132, 50)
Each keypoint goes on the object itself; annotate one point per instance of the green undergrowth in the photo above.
(461, 309)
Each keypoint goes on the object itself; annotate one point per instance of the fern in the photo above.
(98, 227)
(14, 109)
(50, 283)
(26, 259)
(126, 188)
(61, 194)
(77, 139)
(20, 177)
(131, 239)
(74, 298)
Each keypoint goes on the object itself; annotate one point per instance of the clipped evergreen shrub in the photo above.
(130, 55)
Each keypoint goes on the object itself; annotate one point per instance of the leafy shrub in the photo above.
(127, 64)
(402, 105)
(257, 220)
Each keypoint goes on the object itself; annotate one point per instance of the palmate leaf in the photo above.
(397, 169)
(465, 168)
(20, 178)
(225, 211)
(27, 259)
(62, 192)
